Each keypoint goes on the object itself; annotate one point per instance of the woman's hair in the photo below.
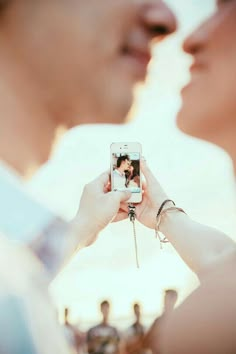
(4, 3)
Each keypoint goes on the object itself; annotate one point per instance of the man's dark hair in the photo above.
(3, 3)
(105, 303)
(122, 158)
(136, 304)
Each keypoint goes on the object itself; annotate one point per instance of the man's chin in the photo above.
(110, 111)
(119, 120)
(122, 115)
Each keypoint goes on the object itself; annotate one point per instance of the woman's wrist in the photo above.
(150, 217)
(170, 218)
(164, 204)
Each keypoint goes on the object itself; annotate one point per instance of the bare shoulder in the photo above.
(206, 322)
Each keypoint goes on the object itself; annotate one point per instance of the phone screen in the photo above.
(126, 171)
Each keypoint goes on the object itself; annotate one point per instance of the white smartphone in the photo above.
(125, 169)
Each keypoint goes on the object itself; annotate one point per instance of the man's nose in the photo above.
(158, 18)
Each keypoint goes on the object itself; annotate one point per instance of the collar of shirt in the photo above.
(25, 220)
(122, 174)
(21, 216)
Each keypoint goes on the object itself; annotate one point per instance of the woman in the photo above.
(132, 178)
(206, 321)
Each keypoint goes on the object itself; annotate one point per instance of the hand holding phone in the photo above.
(125, 169)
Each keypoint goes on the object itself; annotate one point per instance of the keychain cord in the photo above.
(132, 217)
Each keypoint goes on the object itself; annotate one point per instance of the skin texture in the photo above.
(206, 321)
(209, 104)
(152, 337)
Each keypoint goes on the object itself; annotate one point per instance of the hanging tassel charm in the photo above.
(132, 217)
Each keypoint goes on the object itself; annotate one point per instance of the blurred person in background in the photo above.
(75, 338)
(205, 323)
(152, 336)
(48, 51)
(133, 337)
(103, 338)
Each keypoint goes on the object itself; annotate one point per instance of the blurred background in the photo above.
(197, 175)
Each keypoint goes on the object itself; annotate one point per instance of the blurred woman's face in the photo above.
(209, 100)
(131, 169)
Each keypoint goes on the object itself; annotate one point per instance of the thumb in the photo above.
(121, 215)
(121, 196)
(101, 182)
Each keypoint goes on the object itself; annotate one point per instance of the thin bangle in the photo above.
(159, 218)
(163, 205)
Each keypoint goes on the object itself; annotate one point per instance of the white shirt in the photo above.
(32, 242)
(119, 180)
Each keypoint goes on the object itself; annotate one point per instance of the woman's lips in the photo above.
(196, 70)
(197, 65)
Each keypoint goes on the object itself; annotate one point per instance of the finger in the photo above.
(108, 187)
(121, 196)
(120, 216)
(124, 207)
(144, 185)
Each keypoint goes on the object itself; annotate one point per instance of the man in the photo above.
(75, 338)
(119, 174)
(152, 337)
(103, 338)
(55, 57)
(50, 81)
(135, 334)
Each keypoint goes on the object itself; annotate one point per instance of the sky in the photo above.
(197, 175)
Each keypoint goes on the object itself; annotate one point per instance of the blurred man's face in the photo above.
(87, 55)
(209, 101)
(105, 308)
(126, 165)
(137, 311)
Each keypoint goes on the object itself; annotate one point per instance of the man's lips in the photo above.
(143, 57)
(139, 59)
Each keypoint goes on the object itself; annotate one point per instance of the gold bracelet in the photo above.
(158, 222)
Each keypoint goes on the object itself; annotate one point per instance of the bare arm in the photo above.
(205, 323)
(198, 245)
